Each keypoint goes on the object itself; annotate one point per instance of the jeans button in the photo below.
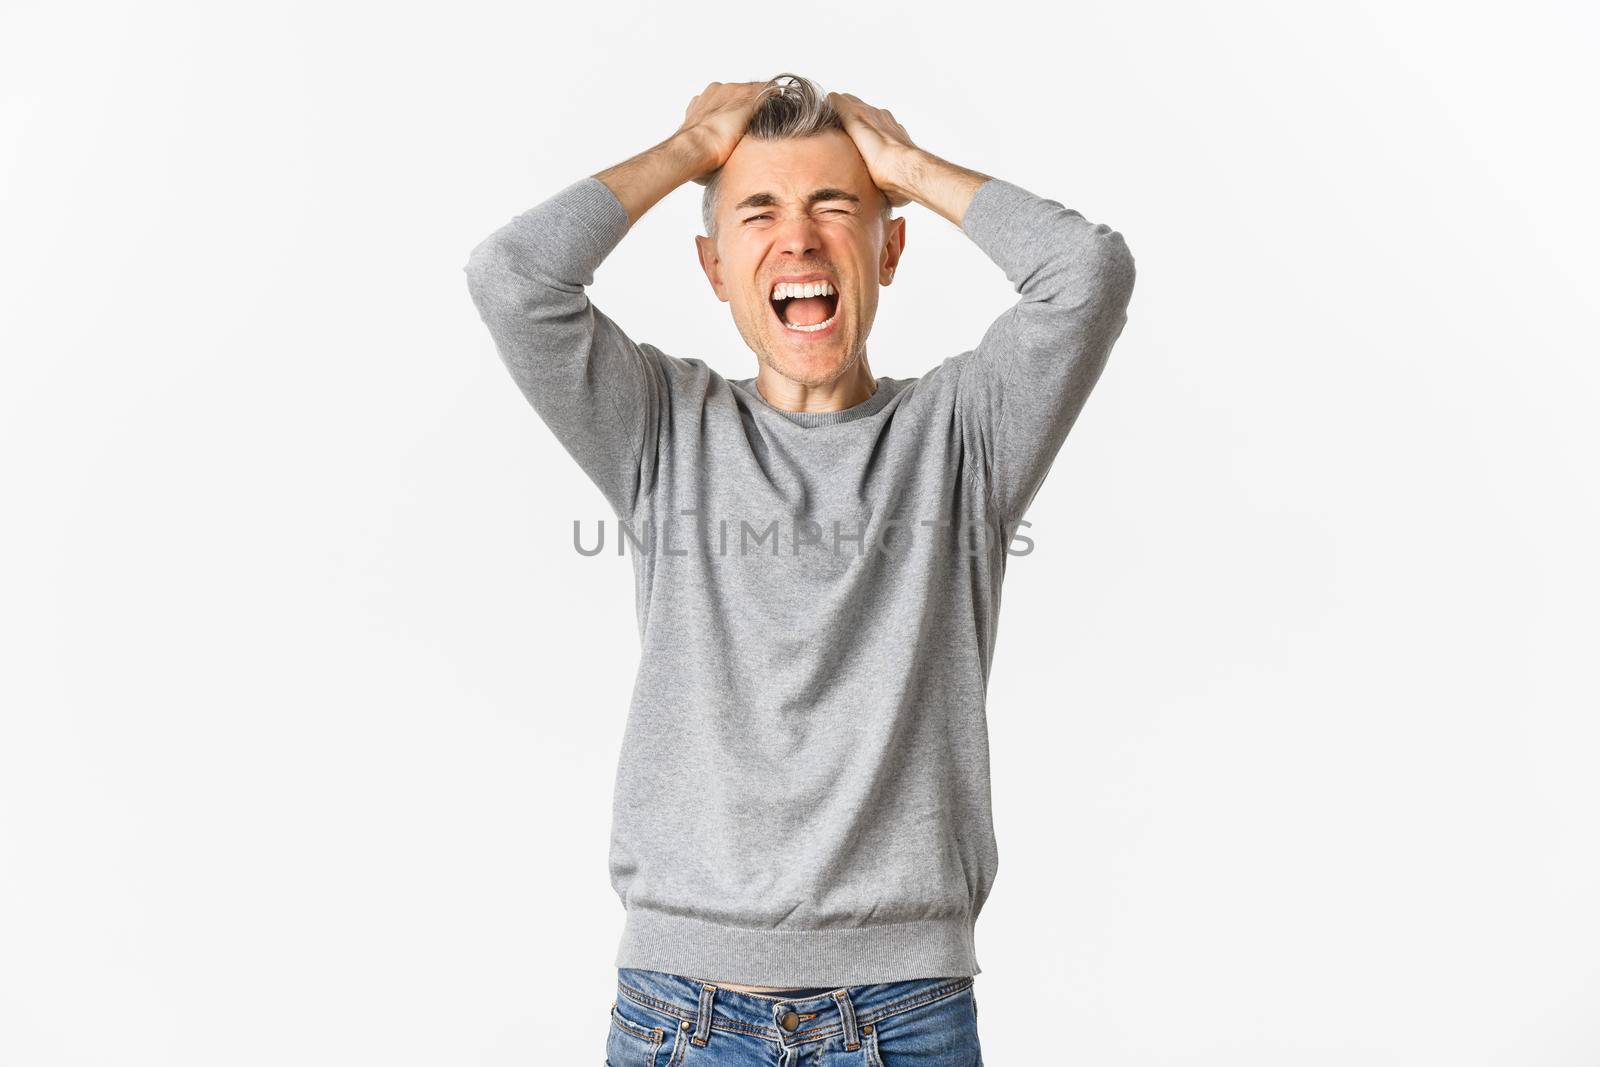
(789, 1021)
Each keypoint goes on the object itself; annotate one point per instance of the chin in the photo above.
(817, 368)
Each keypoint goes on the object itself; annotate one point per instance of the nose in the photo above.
(799, 236)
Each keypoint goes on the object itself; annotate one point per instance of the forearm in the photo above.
(1050, 253)
(530, 281)
(530, 277)
(591, 384)
(941, 186)
(1033, 371)
(642, 181)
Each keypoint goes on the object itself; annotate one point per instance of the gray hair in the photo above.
(788, 107)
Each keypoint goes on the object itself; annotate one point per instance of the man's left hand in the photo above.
(883, 143)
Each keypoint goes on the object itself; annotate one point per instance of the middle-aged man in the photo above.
(801, 830)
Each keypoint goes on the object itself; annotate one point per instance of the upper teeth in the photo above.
(786, 290)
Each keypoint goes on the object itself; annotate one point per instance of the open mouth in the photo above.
(807, 314)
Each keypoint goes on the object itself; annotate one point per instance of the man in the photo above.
(802, 798)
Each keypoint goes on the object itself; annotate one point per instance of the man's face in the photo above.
(771, 225)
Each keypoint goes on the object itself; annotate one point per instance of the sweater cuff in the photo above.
(596, 207)
(991, 205)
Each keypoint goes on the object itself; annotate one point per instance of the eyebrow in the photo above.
(816, 196)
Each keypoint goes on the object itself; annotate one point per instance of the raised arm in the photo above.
(597, 390)
(1021, 389)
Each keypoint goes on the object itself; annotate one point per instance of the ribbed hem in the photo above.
(837, 956)
(991, 204)
(595, 206)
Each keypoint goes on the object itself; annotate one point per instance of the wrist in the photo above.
(941, 186)
(691, 152)
(911, 169)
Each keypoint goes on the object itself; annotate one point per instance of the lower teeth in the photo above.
(814, 328)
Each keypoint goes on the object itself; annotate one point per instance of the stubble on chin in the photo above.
(776, 360)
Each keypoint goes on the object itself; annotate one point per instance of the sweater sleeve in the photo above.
(1022, 387)
(597, 390)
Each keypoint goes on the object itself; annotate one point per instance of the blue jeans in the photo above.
(665, 1020)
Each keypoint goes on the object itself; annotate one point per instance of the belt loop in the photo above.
(847, 1012)
(702, 1029)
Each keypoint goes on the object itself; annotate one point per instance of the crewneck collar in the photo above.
(880, 396)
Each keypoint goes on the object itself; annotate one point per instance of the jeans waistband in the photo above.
(700, 1006)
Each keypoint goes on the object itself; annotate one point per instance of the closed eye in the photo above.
(833, 210)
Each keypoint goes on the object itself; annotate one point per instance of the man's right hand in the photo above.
(712, 126)
(717, 118)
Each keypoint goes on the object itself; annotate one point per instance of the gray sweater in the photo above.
(803, 794)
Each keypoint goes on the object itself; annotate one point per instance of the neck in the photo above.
(845, 391)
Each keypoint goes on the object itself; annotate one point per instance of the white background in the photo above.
(311, 711)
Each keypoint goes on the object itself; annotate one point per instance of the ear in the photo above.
(894, 243)
(711, 263)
